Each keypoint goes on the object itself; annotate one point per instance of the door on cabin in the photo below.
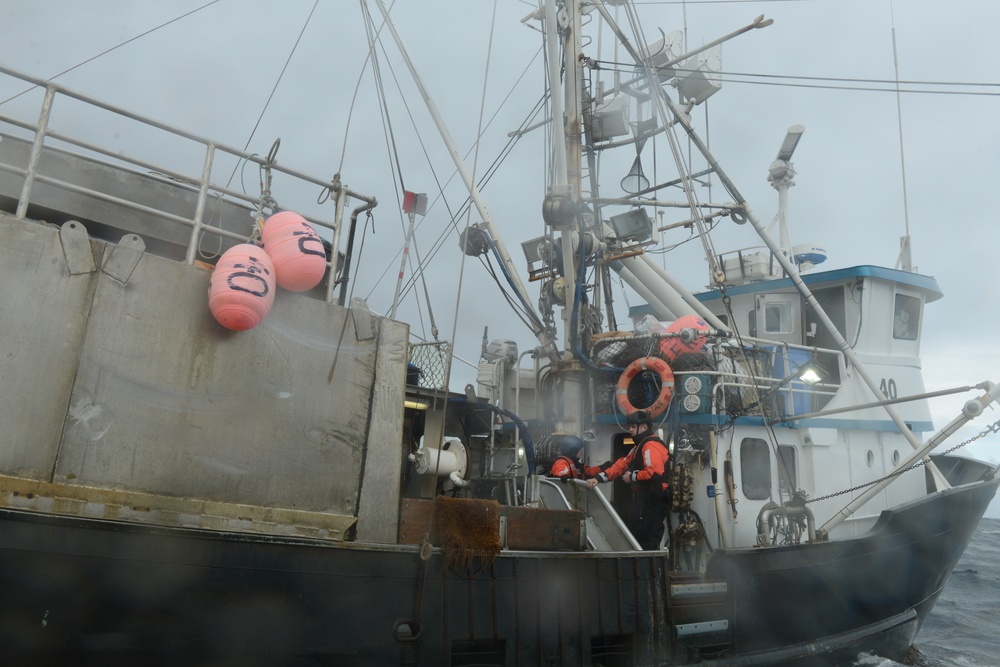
(779, 317)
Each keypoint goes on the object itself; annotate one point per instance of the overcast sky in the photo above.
(212, 71)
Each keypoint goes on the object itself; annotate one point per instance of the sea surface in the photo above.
(963, 629)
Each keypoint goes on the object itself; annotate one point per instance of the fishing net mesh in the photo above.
(430, 363)
(469, 530)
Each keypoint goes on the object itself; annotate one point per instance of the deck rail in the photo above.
(43, 135)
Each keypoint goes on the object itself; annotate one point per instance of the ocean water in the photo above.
(963, 629)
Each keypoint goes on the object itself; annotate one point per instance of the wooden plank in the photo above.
(528, 528)
(414, 516)
(543, 529)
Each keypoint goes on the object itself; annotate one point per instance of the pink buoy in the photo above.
(241, 290)
(692, 338)
(296, 250)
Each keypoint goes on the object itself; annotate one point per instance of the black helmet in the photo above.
(569, 445)
(639, 417)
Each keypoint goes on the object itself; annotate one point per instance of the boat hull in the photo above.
(893, 574)
(88, 591)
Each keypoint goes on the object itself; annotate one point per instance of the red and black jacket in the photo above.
(566, 468)
(647, 461)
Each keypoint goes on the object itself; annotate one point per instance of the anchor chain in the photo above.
(993, 428)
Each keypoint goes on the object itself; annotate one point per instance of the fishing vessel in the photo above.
(205, 463)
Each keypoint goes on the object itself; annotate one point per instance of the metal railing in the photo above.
(206, 188)
(755, 379)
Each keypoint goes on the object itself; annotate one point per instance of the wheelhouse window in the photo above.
(755, 466)
(906, 317)
(778, 317)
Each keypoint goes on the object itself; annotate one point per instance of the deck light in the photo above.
(810, 373)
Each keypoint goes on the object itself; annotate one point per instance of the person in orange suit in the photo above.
(569, 464)
(644, 470)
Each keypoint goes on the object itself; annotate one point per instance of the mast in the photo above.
(672, 113)
(563, 206)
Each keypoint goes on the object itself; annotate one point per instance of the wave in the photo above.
(961, 629)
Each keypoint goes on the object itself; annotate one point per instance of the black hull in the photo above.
(78, 591)
(887, 580)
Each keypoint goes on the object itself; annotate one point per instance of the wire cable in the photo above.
(113, 48)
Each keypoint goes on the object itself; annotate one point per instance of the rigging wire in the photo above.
(408, 227)
(374, 42)
(452, 225)
(514, 305)
(466, 205)
(479, 128)
(867, 85)
(665, 109)
(357, 86)
(277, 82)
(454, 215)
(113, 48)
(380, 90)
(491, 171)
(246, 146)
(712, 2)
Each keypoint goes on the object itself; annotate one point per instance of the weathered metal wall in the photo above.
(43, 317)
(165, 401)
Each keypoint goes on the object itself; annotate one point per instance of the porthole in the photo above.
(870, 458)
(895, 457)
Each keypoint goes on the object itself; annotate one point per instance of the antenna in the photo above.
(780, 174)
(905, 260)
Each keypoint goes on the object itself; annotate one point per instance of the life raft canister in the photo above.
(296, 250)
(674, 345)
(241, 290)
(656, 365)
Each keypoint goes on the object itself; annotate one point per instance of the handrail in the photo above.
(202, 184)
(68, 92)
(781, 356)
(605, 505)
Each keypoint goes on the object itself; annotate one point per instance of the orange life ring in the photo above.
(658, 366)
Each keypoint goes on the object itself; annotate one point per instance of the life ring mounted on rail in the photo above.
(656, 365)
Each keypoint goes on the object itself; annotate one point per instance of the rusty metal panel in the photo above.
(43, 315)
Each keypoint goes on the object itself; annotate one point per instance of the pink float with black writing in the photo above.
(296, 250)
(241, 290)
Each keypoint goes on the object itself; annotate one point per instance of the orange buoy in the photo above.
(241, 290)
(655, 365)
(689, 341)
(296, 250)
